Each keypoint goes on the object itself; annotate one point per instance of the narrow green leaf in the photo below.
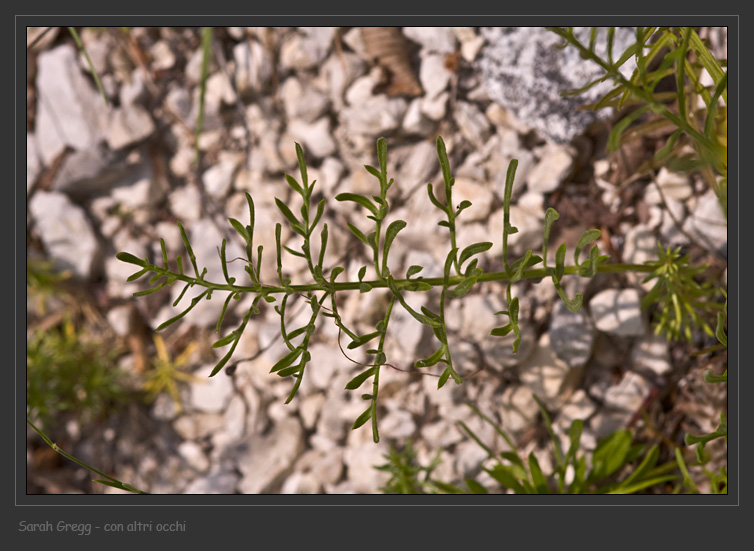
(363, 418)
(295, 224)
(225, 340)
(443, 378)
(287, 360)
(559, 263)
(471, 250)
(318, 215)
(138, 274)
(610, 454)
(172, 320)
(518, 267)
(390, 234)
(506, 478)
(462, 206)
(475, 487)
(336, 272)
(302, 166)
(359, 199)
(357, 381)
(294, 184)
(417, 286)
(538, 479)
(501, 331)
(225, 308)
(413, 270)
(434, 200)
(382, 154)
(296, 332)
(131, 259)
(550, 216)
(574, 305)
(152, 290)
(361, 341)
(433, 359)
(720, 329)
(322, 248)
(373, 171)
(587, 237)
(164, 253)
(614, 139)
(186, 244)
(294, 252)
(240, 228)
(442, 155)
(416, 315)
(288, 371)
(463, 288)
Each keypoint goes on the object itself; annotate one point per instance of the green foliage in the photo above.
(95, 74)
(43, 282)
(611, 468)
(719, 481)
(681, 297)
(65, 373)
(693, 111)
(407, 476)
(461, 273)
(106, 479)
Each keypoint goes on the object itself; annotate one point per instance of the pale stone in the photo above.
(303, 102)
(708, 225)
(433, 39)
(316, 137)
(66, 233)
(33, 166)
(618, 312)
(254, 66)
(472, 123)
(518, 409)
(70, 111)
(547, 376)
(554, 166)
(194, 455)
(218, 179)
(265, 460)
(210, 394)
(652, 353)
(433, 75)
(415, 122)
(185, 203)
(571, 335)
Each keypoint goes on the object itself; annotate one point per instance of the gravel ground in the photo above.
(104, 179)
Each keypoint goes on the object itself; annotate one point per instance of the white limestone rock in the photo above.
(66, 234)
(70, 111)
(554, 165)
(618, 312)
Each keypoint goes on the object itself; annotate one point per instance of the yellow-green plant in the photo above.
(166, 373)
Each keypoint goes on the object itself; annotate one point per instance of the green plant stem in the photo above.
(377, 283)
(82, 49)
(110, 480)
